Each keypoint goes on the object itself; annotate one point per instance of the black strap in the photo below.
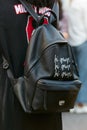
(52, 13)
(29, 8)
(56, 10)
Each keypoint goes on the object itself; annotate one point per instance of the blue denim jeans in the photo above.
(81, 59)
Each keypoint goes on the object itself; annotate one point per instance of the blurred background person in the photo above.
(62, 20)
(65, 4)
(77, 31)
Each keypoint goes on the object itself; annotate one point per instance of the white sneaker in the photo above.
(78, 109)
(81, 109)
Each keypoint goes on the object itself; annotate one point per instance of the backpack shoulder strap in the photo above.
(56, 10)
(30, 10)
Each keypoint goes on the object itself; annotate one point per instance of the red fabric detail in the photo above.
(45, 21)
(29, 28)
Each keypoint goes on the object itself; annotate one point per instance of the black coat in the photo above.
(13, 44)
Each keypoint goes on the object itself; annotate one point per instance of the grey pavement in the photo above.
(72, 121)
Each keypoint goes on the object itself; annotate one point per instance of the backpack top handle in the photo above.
(52, 12)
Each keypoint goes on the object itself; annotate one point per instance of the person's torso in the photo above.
(17, 28)
(77, 28)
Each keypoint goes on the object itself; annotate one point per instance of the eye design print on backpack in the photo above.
(56, 66)
(62, 67)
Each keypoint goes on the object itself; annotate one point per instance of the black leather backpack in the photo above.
(50, 82)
